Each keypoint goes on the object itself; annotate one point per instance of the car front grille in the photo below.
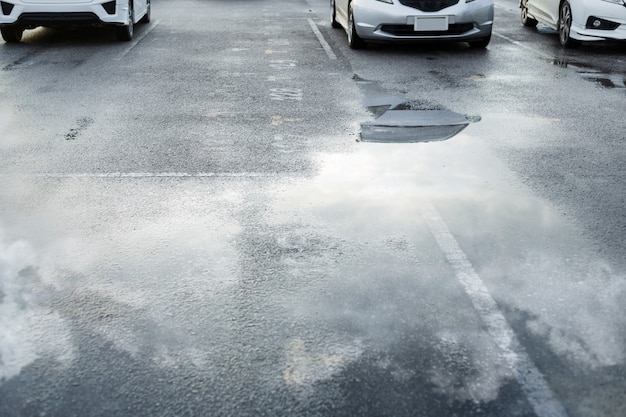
(407, 30)
(429, 5)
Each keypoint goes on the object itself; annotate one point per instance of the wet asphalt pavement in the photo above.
(197, 222)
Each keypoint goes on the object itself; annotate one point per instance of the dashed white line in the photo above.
(531, 380)
(320, 38)
(138, 39)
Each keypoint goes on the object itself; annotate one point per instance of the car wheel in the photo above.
(565, 26)
(125, 33)
(354, 40)
(480, 43)
(333, 15)
(12, 34)
(527, 20)
(146, 18)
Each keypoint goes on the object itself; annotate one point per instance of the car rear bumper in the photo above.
(467, 21)
(27, 14)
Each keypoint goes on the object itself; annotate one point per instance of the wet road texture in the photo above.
(259, 231)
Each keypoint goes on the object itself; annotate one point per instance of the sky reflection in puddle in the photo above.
(398, 120)
(346, 248)
(532, 259)
(412, 126)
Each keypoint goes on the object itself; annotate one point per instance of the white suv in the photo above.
(18, 15)
(578, 20)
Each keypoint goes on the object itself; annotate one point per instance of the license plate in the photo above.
(431, 23)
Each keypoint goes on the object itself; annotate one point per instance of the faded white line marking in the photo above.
(138, 39)
(283, 63)
(531, 380)
(282, 94)
(521, 45)
(320, 38)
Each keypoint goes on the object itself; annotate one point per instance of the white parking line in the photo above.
(531, 380)
(138, 39)
(320, 38)
(521, 45)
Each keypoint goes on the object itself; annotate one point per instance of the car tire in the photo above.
(480, 43)
(333, 15)
(527, 21)
(354, 40)
(147, 17)
(125, 33)
(12, 34)
(565, 26)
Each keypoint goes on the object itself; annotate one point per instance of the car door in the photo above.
(546, 11)
(140, 7)
(341, 7)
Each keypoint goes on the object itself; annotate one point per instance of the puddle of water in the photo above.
(398, 120)
(410, 126)
(375, 195)
(377, 100)
(595, 75)
(349, 250)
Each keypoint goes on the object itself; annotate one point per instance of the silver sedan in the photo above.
(412, 20)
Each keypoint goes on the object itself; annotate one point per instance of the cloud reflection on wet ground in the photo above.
(308, 282)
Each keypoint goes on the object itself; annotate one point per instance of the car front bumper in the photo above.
(607, 11)
(375, 20)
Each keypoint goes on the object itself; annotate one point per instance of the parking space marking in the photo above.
(278, 120)
(279, 42)
(320, 38)
(531, 380)
(138, 39)
(274, 78)
(272, 52)
(521, 45)
(283, 63)
(282, 94)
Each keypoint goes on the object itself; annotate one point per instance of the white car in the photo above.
(18, 15)
(414, 20)
(578, 20)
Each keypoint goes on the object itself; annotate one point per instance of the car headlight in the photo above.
(386, 1)
(622, 2)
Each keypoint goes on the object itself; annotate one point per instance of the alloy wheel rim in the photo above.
(350, 26)
(566, 19)
(131, 28)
